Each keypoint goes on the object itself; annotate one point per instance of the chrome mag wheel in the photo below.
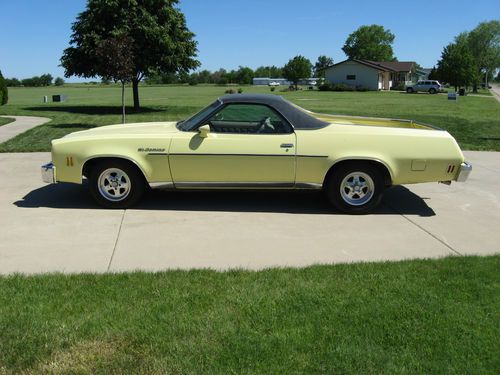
(357, 188)
(114, 184)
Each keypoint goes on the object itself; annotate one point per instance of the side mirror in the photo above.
(203, 131)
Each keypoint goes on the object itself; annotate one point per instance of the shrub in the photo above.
(400, 87)
(342, 87)
(229, 91)
(325, 86)
(4, 92)
(272, 89)
(59, 81)
(361, 88)
(240, 90)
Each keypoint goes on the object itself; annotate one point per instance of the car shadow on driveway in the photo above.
(397, 200)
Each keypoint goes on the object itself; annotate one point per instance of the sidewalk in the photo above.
(20, 125)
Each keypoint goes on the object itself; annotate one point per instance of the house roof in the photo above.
(386, 66)
(395, 66)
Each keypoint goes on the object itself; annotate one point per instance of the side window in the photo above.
(248, 119)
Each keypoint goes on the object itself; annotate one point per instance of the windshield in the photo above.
(194, 120)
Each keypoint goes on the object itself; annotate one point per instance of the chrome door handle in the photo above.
(286, 145)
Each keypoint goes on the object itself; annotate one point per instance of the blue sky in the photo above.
(251, 32)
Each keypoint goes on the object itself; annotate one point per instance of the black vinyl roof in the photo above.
(299, 119)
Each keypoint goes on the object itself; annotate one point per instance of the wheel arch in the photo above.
(93, 160)
(384, 169)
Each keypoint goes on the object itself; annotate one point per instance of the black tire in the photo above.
(341, 176)
(409, 90)
(432, 91)
(130, 184)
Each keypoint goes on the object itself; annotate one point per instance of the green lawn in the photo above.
(4, 120)
(473, 120)
(421, 317)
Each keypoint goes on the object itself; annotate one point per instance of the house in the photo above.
(423, 74)
(373, 75)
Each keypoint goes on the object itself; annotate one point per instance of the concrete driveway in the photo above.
(47, 228)
(495, 91)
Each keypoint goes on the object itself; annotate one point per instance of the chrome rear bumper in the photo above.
(49, 173)
(465, 170)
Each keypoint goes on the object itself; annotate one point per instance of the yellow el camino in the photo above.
(257, 142)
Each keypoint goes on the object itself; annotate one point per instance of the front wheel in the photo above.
(116, 184)
(355, 188)
(432, 91)
(409, 90)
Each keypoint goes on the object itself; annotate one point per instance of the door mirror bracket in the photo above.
(203, 131)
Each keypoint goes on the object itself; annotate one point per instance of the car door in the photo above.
(249, 145)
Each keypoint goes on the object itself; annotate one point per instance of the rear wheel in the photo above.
(116, 184)
(355, 188)
(432, 90)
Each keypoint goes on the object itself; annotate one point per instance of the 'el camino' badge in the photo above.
(147, 149)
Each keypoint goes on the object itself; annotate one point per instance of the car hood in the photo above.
(144, 128)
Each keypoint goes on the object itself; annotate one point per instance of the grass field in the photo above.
(473, 120)
(421, 317)
(4, 120)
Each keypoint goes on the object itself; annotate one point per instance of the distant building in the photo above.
(264, 81)
(423, 74)
(373, 75)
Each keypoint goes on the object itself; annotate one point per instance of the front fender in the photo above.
(70, 156)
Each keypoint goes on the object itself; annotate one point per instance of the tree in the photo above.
(244, 75)
(456, 66)
(320, 66)
(12, 82)
(46, 79)
(433, 74)
(162, 42)
(59, 81)
(268, 71)
(116, 62)
(370, 43)
(484, 45)
(4, 92)
(297, 68)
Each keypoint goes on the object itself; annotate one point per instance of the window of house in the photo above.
(351, 77)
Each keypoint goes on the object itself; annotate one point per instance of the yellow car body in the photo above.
(168, 156)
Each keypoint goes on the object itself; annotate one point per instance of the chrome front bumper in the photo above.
(465, 170)
(49, 173)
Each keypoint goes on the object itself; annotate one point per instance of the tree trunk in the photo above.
(135, 89)
(474, 87)
(123, 102)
